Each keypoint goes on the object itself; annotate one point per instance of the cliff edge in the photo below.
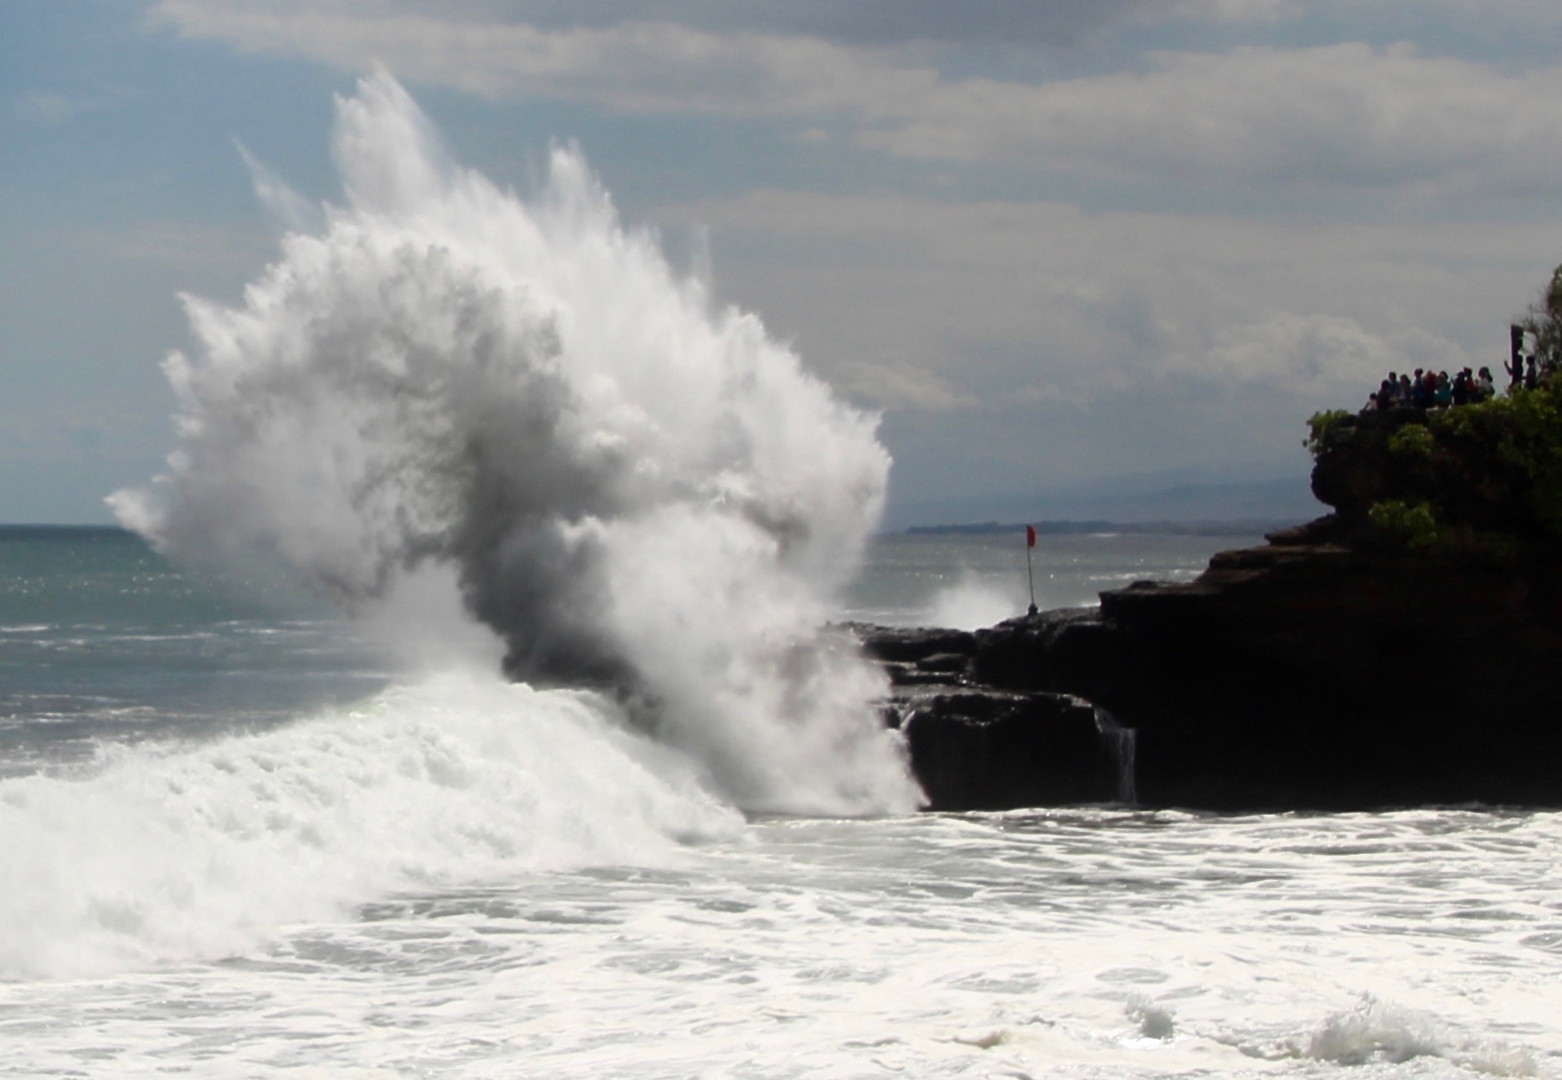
(1404, 650)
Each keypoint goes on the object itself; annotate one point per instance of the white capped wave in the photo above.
(165, 854)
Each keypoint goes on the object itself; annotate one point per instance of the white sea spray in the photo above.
(630, 486)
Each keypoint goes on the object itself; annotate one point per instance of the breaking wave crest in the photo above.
(630, 487)
(177, 852)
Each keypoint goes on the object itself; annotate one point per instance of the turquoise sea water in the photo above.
(238, 840)
(101, 638)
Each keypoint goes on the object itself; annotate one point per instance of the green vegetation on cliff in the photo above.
(1486, 476)
(1483, 478)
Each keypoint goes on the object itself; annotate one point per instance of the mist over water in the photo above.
(452, 405)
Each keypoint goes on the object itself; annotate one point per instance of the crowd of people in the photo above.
(1435, 390)
(1432, 390)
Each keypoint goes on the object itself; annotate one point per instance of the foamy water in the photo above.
(1076, 943)
(164, 852)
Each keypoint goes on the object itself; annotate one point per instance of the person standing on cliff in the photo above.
(1486, 387)
(1463, 388)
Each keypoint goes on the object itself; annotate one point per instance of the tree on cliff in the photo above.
(1544, 320)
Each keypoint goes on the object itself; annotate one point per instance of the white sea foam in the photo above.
(625, 483)
(174, 853)
(1377, 1031)
(1089, 944)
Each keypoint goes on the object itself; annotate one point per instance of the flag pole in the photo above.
(1030, 542)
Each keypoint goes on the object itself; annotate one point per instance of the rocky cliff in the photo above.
(1355, 662)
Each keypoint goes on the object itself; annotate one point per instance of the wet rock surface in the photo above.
(975, 745)
(1298, 675)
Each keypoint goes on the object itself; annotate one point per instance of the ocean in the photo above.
(242, 836)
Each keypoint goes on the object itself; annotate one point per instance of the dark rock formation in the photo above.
(1343, 665)
(976, 746)
(986, 750)
(1301, 675)
(1317, 677)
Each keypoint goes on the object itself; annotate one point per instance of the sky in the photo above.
(1085, 259)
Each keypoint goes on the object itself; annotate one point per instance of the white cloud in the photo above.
(993, 302)
(635, 67)
(1225, 10)
(1318, 354)
(1347, 115)
(900, 384)
(1343, 114)
(1517, 15)
(1035, 23)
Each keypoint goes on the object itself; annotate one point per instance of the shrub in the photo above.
(1405, 523)
(1520, 434)
(1319, 425)
(1411, 441)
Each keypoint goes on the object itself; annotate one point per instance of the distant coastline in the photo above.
(1245, 527)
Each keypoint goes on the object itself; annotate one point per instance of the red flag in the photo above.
(1030, 536)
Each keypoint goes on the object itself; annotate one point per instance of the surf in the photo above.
(627, 485)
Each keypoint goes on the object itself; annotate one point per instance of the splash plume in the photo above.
(628, 485)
